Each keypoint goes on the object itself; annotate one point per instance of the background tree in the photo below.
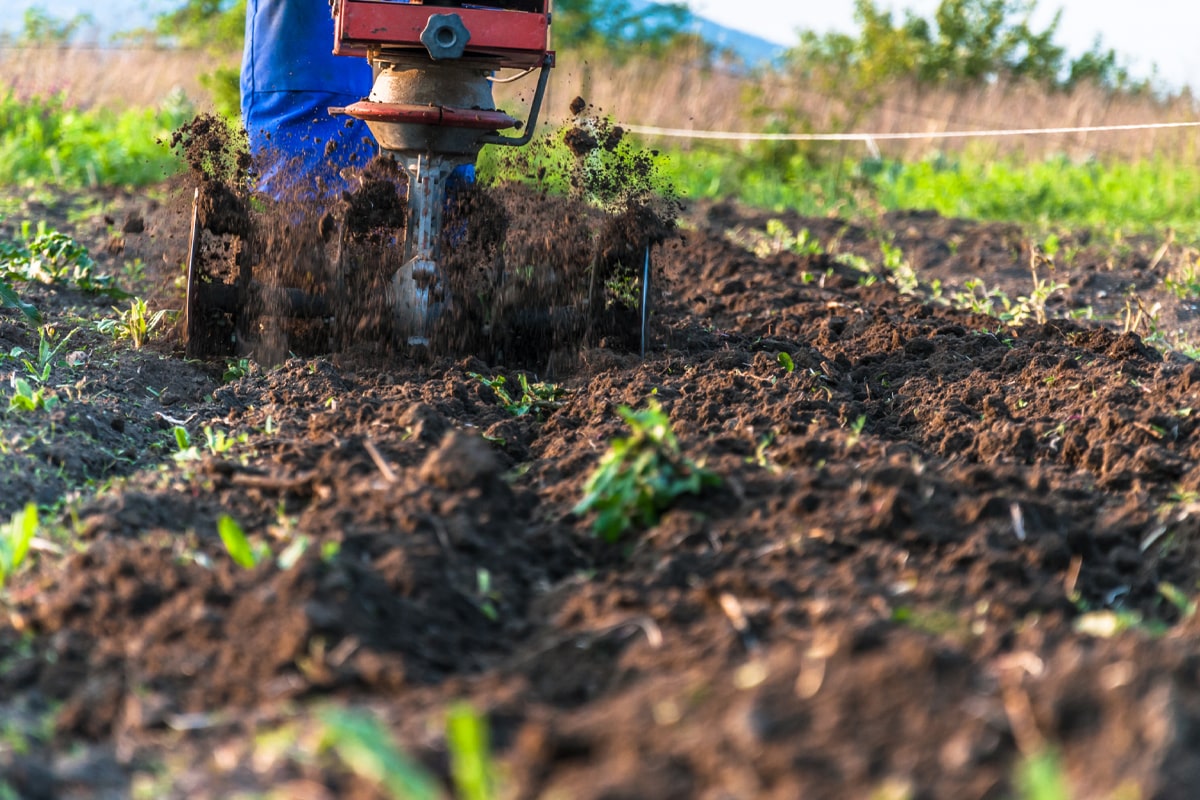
(964, 42)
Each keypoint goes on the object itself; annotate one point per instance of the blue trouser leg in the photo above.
(289, 79)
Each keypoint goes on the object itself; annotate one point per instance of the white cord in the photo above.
(747, 136)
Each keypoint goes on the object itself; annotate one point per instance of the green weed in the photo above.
(237, 544)
(26, 398)
(1041, 776)
(10, 299)
(15, 540)
(777, 238)
(134, 324)
(48, 355)
(365, 746)
(537, 398)
(1184, 280)
(471, 764)
(640, 476)
(216, 442)
(44, 141)
(49, 256)
(235, 368)
(899, 270)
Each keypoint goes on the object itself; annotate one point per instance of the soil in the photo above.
(941, 548)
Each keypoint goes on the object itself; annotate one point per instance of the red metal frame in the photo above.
(514, 39)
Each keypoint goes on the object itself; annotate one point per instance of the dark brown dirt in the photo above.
(900, 589)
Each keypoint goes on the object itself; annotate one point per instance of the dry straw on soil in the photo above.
(115, 78)
(689, 93)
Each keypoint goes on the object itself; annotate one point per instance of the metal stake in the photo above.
(645, 301)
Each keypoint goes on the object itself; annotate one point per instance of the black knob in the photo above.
(445, 36)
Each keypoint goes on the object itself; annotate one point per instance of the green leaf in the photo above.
(182, 440)
(236, 543)
(22, 530)
(785, 361)
(15, 540)
(10, 299)
(470, 753)
(640, 476)
(368, 749)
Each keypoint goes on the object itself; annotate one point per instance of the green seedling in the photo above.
(487, 596)
(536, 398)
(236, 368)
(1184, 281)
(1041, 776)
(27, 398)
(237, 544)
(219, 442)
(856, 431)
(134, 324)
(1175, 596)
(899, 270)
(784, 360)
(186, 451)
(760, 453)
(10, 299)
(16, 538)
(471, 764)
(640, 476)
(47, 356)
(49, 256)
(367, 748)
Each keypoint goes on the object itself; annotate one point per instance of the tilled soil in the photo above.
(942, 548)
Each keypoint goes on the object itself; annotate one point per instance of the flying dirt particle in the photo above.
(578, 105)
(613, 138)
(580, 141)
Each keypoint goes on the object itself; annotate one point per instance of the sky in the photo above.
(1145, 33)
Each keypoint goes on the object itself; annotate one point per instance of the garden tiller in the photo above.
(430, 110)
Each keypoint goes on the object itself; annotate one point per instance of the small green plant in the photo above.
(237, 544)
(367, 748)
(640, 476)
(856, 431)
(216, 441)
(784, 360)
(471, 764)
(537, 398)
(236, 368)
(1041, 776)
(49, 256)
(16, 538)
(10, 299)
(47, 355)
(899, 270)
(1184, 280)
(135, 323)
(486, 596)
(27, 398)
(219, 442)
(777, 238)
